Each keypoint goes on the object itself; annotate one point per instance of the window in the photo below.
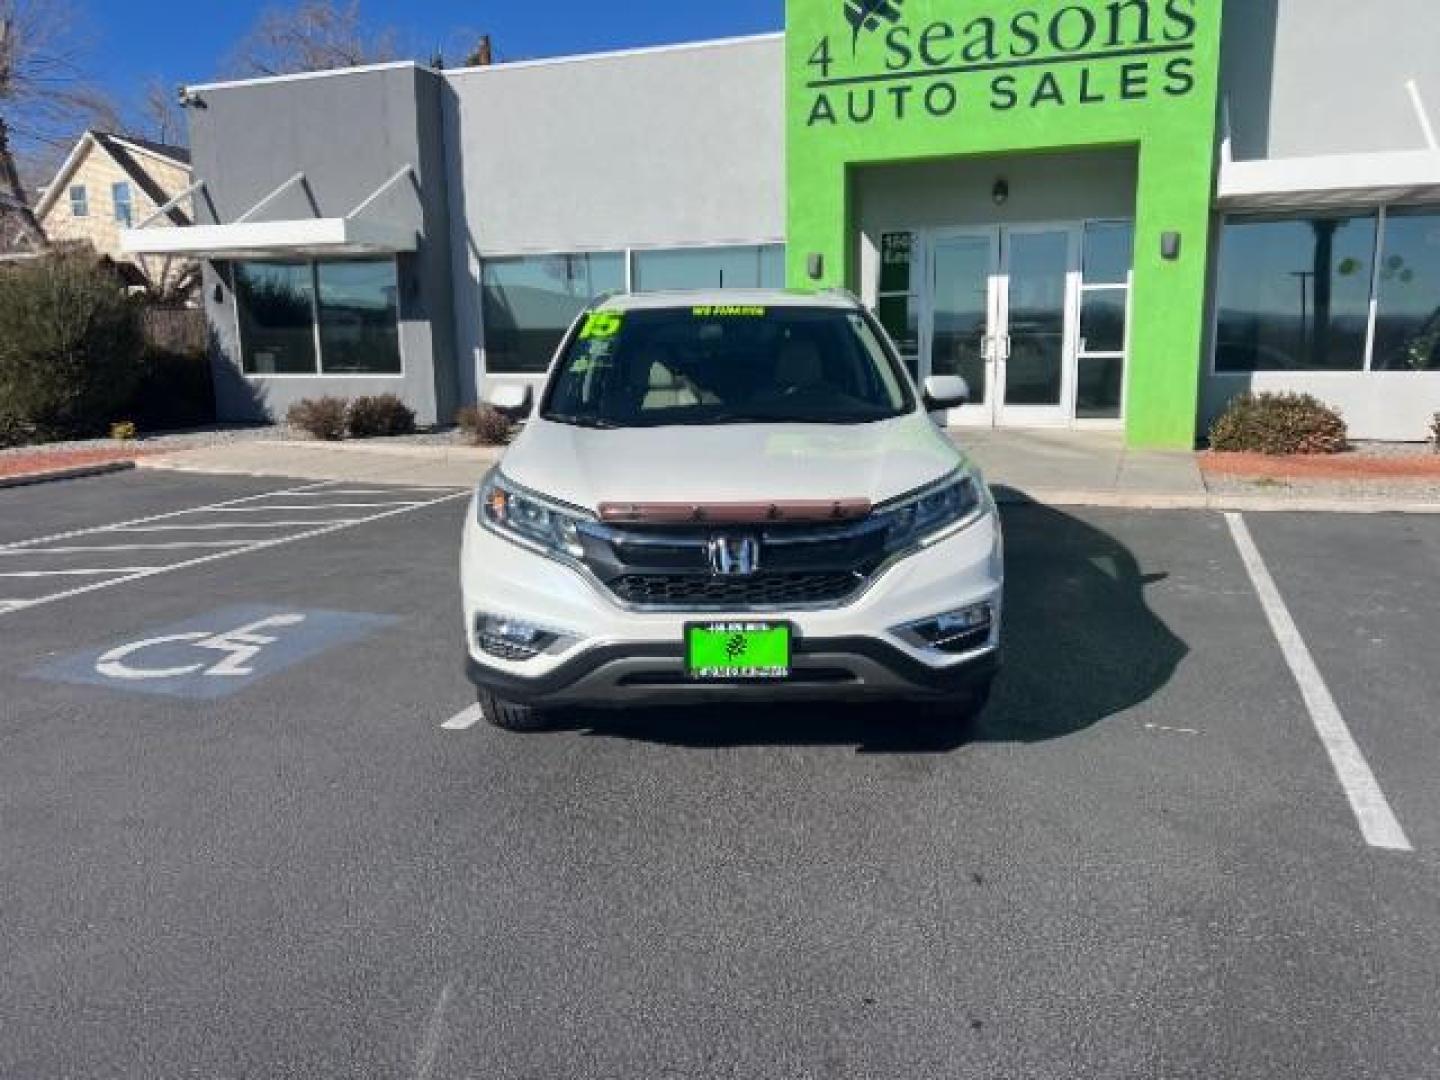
(359, 318)
(1294, 293)
(79, 201)
(1407, 317)
(898, 300)
(528, 304)
(276, 303)
(686, 365)
(120, 195)
(760, 267)
(1109, 254)
(329, 318)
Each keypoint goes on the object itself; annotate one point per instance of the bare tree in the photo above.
(312, 36)
(161, 117)
(43, 94)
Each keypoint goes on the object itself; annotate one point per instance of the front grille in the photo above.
(698, 591)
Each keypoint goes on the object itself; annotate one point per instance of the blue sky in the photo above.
(182, 42)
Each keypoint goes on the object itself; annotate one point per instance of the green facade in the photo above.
(874, 82)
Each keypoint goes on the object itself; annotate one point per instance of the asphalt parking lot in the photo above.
(1158, 855)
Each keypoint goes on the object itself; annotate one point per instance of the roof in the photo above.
(130, 154)
(830, 298)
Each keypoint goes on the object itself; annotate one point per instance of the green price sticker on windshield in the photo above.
(600, 325)
(731, 311)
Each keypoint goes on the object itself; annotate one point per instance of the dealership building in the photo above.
(1102, 213)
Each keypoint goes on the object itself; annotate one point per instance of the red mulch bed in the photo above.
(46, 460)
(1324, 466)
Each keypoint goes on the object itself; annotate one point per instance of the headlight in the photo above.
(931, 512)
(528, 518)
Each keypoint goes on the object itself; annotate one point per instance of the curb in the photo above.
(76, 472)
(1250, 504)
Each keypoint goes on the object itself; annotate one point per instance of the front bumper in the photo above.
(612, 655)
(858, 668)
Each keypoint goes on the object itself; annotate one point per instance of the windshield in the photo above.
(725, 365)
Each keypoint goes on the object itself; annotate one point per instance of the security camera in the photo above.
(188, 99)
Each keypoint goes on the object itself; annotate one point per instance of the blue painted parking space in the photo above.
(217, 654)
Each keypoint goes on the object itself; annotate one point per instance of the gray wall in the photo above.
(651, 148)
(1311, 77)
(349, 134)
(959, 191)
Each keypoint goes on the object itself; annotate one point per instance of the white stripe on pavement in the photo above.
(76, 573)
(1377, 821)
(91, 530)
(86, 549)
(464, 720)
(227, 525)
(308, 506)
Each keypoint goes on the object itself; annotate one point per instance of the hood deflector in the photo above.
(746, 513)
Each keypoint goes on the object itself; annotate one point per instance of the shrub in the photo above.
(322, 418)
(485, 425)
(70, 347)
(123, 430)
(380, 416)
(1269, 423)
(1435, 432)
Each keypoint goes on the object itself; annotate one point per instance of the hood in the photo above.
(730, 463)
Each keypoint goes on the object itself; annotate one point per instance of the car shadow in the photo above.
(1081, 645)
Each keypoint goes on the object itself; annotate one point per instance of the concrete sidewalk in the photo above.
(374, 462)
(1081, 468)
(1054, 468)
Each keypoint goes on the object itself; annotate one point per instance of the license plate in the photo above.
(734, 651)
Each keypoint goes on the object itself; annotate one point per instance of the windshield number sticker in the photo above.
(729, 311)
(600, 325)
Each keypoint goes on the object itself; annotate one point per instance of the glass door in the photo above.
(1038, 289)
(962, 315)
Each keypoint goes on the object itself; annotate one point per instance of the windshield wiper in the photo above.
(597, 422)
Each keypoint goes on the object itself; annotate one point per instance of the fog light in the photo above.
(512, 639)
(959, 631)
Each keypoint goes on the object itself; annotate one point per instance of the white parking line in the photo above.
(76, 573)
(86, 549)
(309, 506)
(463, 720)
(94, 529)
(1377, 821)
(213, 525)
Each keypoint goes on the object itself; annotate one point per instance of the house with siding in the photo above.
(111, 182)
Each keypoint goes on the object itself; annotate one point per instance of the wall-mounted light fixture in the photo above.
(1001, 191)
(218, 294)
(815, 266)
(1170, 246)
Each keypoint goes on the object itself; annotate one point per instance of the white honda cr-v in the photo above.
(732, 497)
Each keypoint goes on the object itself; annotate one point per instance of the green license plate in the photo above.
(730, 651)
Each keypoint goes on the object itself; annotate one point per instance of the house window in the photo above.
(528, 303)
(120, 195)
(1294, 293)
(334, 317)
(758, 267)
(79, 201)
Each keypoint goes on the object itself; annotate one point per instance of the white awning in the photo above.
(1336, 181)
(303, 238)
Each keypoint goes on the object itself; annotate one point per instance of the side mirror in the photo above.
(946, 392)
(511, 398)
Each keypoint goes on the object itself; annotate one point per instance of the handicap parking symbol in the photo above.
(215, 655)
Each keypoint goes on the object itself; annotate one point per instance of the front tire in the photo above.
(509, 715)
